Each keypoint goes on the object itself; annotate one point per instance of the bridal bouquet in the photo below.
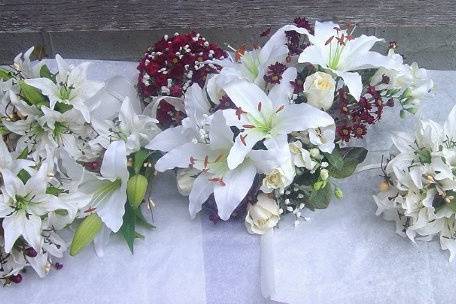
(261, 132)
(67, 158)
(419, 190)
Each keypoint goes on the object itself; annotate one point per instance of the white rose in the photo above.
(262, 216)
(185, 179)
(319, 89)
(275, 179)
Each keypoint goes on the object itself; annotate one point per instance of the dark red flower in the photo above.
(174, 63)
(359, 130)
(168, 116)
(344, 133)
(274, 73)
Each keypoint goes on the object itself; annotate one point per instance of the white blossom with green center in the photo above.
(335, 50)
(108, 190)
(22, 207)
(70, 87)
(260, 117)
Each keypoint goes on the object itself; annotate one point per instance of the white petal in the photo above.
(6, 160)
(273, 48)
(248, 96)
(201, 190)
(180, 157)
(32, 231)
(221, 136)
(450, 124)
(196, 104)
(281, 93)
(169, 139)
(38, 183)
(323, 31)
(12, 184)
(314, 55)
(13, 227)
(112, 209)
(114, 163)
(353, 82)
(299, 117)
(241, 148)
(101, 240)
(237, 185)
(39, 264)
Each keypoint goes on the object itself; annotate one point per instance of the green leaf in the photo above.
(335, 158)
(140, 158)
(24, 176)
(63, 107)
(319, 199)
(46, 73)
(61, 212)
(23, 154)
(54, 191)
(351, 157)
(128, 227)
(32, 95)
(85, 233)
(5, 74)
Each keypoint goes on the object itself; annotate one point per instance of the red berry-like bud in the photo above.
(16, 278)
(30, 252)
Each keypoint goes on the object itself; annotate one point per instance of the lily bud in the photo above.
(136, 189)
(338, 193)
(85, 233)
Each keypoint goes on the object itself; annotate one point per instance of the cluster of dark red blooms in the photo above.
(172, 65)
(352, 117)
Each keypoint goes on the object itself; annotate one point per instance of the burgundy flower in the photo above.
(174, 63)
(344, 133)
(359, 130)
(274, 73)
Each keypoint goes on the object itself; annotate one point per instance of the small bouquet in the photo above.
(263, 131)
(70, 157)
(419, 189)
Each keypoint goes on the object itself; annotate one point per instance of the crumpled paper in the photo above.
(167, 267)
(346, 254)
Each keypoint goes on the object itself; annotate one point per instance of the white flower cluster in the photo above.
(248, 139)
(63, 157)
(419, 191)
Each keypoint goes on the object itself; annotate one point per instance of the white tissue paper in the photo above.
(346, 254)
(167, 266)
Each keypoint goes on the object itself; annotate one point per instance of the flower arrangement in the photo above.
(265, 134)
(66, 163)
(419, 188)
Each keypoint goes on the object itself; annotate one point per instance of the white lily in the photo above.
(261, 117)
(252, 65)
(10, 161)
(135, 129)
(194, 127)
(23, 205)
(108, 190)
(71, 87)
(23, 65)
(335, 50)
(229, 186)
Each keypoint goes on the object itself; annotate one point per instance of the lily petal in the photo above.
(299, 117)
(201, 190)
(237, 184)
(114, 163)
(353, 82)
